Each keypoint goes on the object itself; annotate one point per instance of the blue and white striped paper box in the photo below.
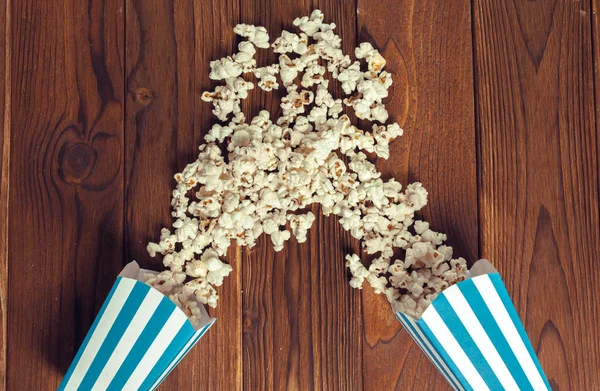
(138, 337)
(472, 334)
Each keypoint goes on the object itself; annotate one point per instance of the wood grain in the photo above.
(427, 45)
(169, 46)
(4, 179)
(539, 176)
(302, 326)
(66, 182)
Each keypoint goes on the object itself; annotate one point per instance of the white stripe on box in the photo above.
(183, 351)
(129, 338)
(430, 352)
(156, 350)
(113, 309)
(468, 318)
(453, 349)
(504, 321)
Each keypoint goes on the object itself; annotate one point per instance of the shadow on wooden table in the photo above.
(81, 297)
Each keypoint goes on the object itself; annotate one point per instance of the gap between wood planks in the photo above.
(5, 90)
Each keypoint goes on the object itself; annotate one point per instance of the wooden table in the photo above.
(101, 106)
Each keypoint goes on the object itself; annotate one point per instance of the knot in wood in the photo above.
(144, 96)
(77, 163)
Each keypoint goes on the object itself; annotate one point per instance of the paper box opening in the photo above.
(473, 335)
(137, 338)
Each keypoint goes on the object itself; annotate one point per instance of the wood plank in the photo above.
(4, 179)
(220, 350)
(169, 47)
(66, 182)
(539, 176)
(428, 47)
(302, 326)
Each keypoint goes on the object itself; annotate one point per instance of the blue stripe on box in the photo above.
(132, 336)
(87, 337)
(179, 341)
(465, 340)
(495, 334)
(181, 355)
(475, 333)
(411, 328)
(504, 296)
(469, 320)
(499, 310)
(442, 352)
(123, 320)
(150, 332)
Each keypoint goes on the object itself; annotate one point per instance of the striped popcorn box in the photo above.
(138, 337)
(472, 334)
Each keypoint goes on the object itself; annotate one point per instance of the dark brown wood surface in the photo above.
(428, 48)
(99, 107)
(66, 180)
(4, 182)
(538, 172)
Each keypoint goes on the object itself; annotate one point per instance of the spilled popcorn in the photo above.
(274, 169)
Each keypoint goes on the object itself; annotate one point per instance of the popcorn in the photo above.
(377, 283)
(364, 50)
(218, 133)
(153, 249)
(224, 68)
(350, 77)
(216, 269)
(313, 24)
(266, 76)
(372, 91)
(379, 113)
(187, 228)
(245, 57)
(196, 268)
(289, 69)
(278, 238)
(255, 177)
(313, 74)
(379, 266)
(300, 225)
(374, 60)
(256, 35)
(288, 42)
(359, 272)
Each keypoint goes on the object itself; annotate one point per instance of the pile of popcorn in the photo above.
(273, 170)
